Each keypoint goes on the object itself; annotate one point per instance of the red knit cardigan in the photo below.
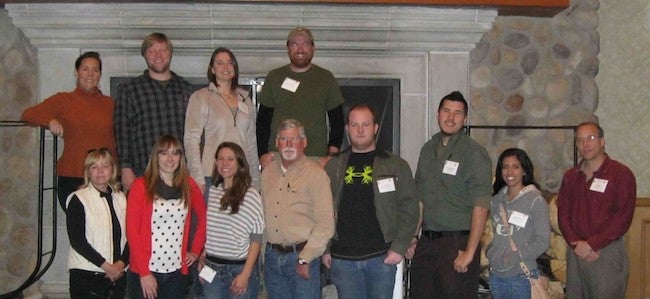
(139, 210)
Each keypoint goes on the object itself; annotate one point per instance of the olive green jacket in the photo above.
(397, 211)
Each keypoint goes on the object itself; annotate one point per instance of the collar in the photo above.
(379, 153)
(603, 167)
(295, 165)
(81, 92)
(524, 190)
(103, 194)
(453, 138)
(173, 78)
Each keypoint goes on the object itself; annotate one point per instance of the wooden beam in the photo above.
(537, 8)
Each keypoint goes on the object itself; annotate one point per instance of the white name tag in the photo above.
(599, 185)
(518, 219)
(386, 185)
(450, 167)
(207, 273)
(290, 84)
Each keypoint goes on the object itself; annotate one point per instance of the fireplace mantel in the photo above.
(537, 8)
(426, 48)
(252, 27)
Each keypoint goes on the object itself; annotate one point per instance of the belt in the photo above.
(221, 261)
(90, 274)
(288, 249)
(441, 234)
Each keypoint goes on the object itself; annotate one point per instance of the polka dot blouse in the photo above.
(167, 224)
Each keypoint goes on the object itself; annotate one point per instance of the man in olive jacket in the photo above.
(376, 212)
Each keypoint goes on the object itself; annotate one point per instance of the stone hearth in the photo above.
(427, 49)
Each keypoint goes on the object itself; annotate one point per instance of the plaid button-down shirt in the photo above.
(144, 111)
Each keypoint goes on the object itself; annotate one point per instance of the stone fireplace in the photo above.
(427, 49)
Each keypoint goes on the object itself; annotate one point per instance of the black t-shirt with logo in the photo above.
(357, 227)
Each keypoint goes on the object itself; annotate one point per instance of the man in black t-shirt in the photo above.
(376, 212)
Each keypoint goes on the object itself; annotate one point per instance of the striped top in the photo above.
(229, 235)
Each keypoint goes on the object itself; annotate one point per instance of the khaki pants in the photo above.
(604, 278)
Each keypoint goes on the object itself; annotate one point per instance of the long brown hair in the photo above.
(181, 174)
(212, 77)
(234, 195)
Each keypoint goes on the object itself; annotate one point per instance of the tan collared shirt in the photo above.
(298, 206)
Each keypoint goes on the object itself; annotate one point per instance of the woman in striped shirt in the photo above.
(235, 223)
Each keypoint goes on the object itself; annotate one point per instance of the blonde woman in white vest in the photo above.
(96, 229)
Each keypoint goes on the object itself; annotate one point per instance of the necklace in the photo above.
(230, 98)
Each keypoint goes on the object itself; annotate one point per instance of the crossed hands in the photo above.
(113, 271)
(584, 251)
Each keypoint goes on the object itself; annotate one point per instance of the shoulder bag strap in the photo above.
(502, 212)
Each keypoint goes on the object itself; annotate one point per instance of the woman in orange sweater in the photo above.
(83, 117)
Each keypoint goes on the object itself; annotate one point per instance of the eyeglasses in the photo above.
(587, 138)
(299, 45)
(293, 139)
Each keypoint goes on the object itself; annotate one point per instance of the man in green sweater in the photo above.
(303, 91)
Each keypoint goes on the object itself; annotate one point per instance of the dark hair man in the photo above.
(455, 184)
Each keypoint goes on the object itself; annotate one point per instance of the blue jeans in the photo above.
(369, 278)
(170, 285)
(513, 287)
(220, 285)
(282, 281)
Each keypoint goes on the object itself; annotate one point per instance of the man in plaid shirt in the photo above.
(148, 107)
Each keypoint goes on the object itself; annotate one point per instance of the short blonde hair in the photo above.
(98, 155)
(153, 38)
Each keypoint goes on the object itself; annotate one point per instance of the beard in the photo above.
(289, 154)
(159, 68)
(300, 62)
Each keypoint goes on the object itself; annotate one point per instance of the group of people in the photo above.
(209, 182)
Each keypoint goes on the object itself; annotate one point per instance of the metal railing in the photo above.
(40, 266)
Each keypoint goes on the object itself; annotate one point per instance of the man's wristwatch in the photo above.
(302, 262)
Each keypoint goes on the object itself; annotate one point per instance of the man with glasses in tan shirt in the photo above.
(299, 217)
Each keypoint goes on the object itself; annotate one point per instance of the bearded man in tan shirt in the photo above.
(298, 211)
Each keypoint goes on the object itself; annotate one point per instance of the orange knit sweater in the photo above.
(87, 121)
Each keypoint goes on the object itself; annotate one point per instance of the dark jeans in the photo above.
(517, 286)
(170, 285)
(219, 288)
(67, 185)
(282, 281)
(432, 269)
(370, 278)
(88, 284)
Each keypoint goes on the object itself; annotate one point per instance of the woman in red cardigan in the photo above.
(159, 208)
(83, 117)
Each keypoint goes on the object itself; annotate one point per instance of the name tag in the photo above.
(207, 273)
(450, 167)
(518, 219)
(290, 84)
(386, 185)
(599, 185)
